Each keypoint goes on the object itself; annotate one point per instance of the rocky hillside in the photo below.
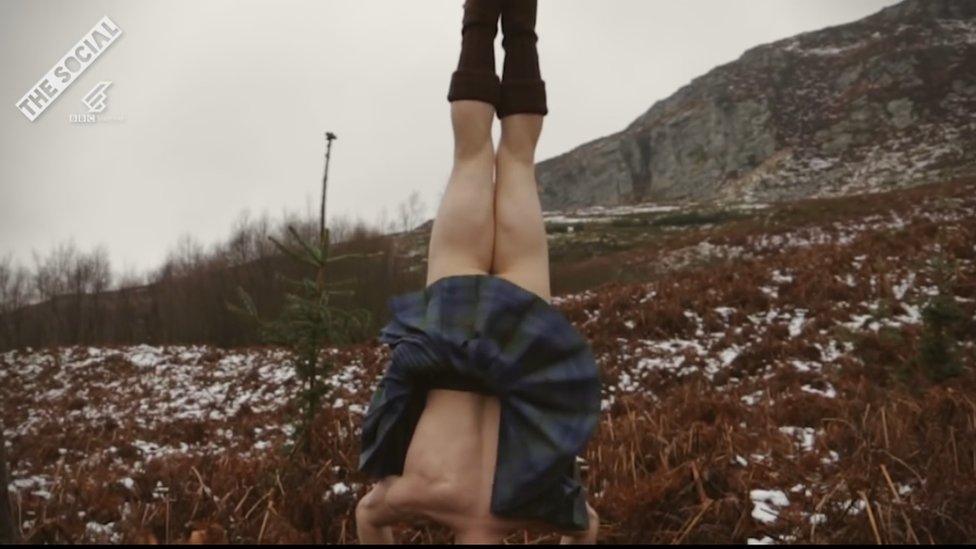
(884, 101)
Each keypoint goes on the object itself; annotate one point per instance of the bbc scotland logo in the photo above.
(96, 98)
(96, 101)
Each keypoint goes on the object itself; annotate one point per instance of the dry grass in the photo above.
(781, 356)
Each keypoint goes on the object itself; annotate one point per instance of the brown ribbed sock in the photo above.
(523, 90)
(475, 76)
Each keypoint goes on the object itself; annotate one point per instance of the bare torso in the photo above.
(450, 464)
(450, 467)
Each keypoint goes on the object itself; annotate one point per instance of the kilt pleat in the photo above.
(485, 334)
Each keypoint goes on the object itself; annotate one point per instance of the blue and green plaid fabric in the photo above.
(484, 334)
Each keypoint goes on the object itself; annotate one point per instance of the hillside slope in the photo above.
(773, 381)
(887, 100)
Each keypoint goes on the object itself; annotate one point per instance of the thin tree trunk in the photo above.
(8, 532)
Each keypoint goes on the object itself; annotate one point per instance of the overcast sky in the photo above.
(225, 103)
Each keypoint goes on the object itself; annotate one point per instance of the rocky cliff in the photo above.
(889, 100)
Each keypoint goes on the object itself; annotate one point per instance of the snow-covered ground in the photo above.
(769, 343)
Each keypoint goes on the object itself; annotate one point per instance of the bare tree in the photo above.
(383, 223)
(53, 273)
(241, 244)
(262, 229)
(6, 281)
(340, 228)
(129, 277)
(101, 270)
(15, 294)
(8, 531)
(361, 230)
(20, 292)
(182, 299)
(6, 306)
(99, 277)
(410, 212)
(187, 256)
(53, 277)
(306, 226)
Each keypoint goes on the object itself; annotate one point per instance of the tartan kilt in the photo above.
(485, 334)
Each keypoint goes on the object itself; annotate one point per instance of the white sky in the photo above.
(225, 103)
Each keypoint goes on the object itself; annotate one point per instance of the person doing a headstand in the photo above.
(490, 394)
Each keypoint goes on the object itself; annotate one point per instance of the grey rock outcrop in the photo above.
(887, 100)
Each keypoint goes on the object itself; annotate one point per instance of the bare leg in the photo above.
(521, 250)
(463, 234)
